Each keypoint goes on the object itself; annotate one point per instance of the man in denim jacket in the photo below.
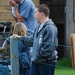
(45, 41)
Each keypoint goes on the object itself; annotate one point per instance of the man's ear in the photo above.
(42, 13)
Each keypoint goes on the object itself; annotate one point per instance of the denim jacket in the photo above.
(45, 42)
(24, 58)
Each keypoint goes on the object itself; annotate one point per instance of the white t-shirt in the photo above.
(13, 11)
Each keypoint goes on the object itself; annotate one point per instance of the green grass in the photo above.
(64, 71)
(64, 67)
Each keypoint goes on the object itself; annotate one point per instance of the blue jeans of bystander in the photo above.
(42, 69)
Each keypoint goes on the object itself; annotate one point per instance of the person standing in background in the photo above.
(23, 11)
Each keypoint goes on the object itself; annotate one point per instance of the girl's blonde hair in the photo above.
(20, 29)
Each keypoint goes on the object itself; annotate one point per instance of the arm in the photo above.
(15, 18)
(14, 4)
(27, 40)
(20, 18)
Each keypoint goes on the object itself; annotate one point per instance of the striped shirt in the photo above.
(27, 9)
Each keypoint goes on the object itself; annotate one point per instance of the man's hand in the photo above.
(12, 3)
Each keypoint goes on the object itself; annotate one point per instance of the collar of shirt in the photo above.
(21, 1)
(40, 27)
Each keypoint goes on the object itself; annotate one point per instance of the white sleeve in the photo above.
(13, 11)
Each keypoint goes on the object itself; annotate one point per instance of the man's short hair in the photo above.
(44, 8)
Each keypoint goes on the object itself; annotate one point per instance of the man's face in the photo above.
(37, 14)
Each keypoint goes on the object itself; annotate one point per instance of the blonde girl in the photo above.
(20, 29)
(24, 57)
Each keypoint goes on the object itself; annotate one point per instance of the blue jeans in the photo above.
(42, 69)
